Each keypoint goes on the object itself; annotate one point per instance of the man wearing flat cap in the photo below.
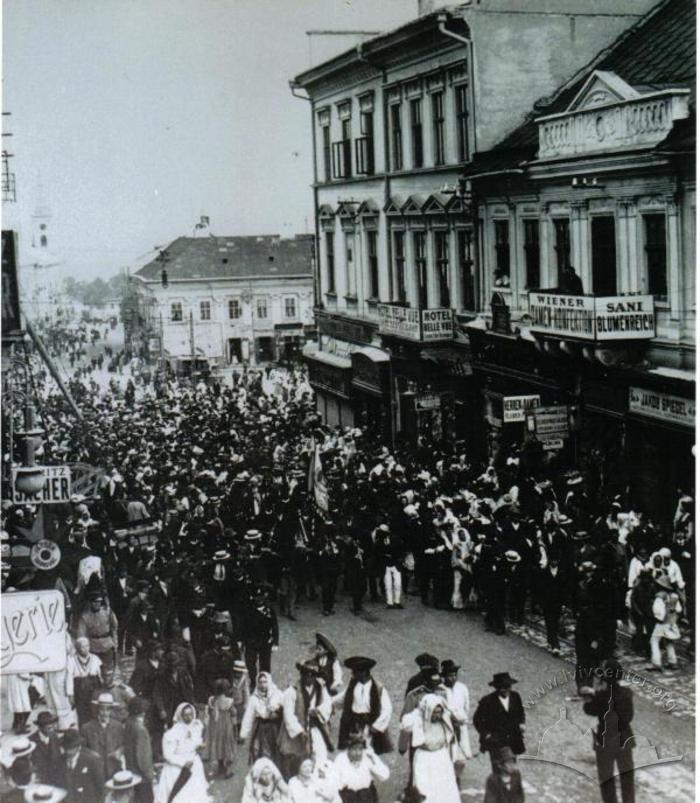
(366, 706)
(500, 718)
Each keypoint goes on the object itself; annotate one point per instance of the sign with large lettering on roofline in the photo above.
(663, 406)
(595, 318)
(57, 487)
(33, 632)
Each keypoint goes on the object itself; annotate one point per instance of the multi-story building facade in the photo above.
(226, 299)
(601, 179)
(394, 123)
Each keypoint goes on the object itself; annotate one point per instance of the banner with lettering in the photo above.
(33, 632)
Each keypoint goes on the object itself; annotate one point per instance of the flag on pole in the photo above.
(317, 482)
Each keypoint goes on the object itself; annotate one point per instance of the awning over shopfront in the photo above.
(374, 354)
(329, 372)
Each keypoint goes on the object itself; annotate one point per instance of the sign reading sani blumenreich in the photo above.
(599, 319)
(33, 635)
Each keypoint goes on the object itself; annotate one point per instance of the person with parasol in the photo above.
(182, 779)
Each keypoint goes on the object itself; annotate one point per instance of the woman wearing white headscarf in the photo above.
(264, 782)
(182, 779)
(262, 719)
(432, 738)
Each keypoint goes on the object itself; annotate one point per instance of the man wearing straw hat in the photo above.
(122, 787)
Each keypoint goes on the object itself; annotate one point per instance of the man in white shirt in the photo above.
(458, 707)
(366, 706)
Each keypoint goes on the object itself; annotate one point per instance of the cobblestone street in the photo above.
(395, 637)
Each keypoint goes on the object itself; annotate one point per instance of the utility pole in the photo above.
(192, 347)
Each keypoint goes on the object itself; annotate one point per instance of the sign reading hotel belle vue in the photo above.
(413, 324)
(33, 632)
(599, 319)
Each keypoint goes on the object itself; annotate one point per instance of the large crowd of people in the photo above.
(206, 527)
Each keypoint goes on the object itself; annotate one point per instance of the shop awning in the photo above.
(329, 359)
(374, 354)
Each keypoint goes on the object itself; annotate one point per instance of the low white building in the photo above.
(228, 299)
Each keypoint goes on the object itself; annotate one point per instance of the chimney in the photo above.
(427, 7)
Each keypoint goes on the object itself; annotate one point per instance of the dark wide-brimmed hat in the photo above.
(326, 643)
(358, 663)
(71, 739)
(427, 661)
(449, 666)
(501, 679)
(46, 718)
(307, 666)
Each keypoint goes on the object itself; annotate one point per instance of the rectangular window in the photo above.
(655, 247)
(417, 131)
(176, 312)
(442, 264)
(330, 261)
(364, 145)
(373, 264)
(342, 153)
(502, 237)
(350, 264)
(261, 308)
(421, 268)
(438, 128)
(400, 265)
(466, 269)
(396, 144)
(462, 122)
(562, 247)
(290, 308)
(205, 310)
(234, 308)
(326, 136)
(531, 244)
(604, 255)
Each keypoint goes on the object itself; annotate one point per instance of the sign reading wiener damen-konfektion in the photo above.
(593, 318)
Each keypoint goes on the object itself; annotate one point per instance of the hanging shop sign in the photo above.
(662, 406)
(550, 444)
(56, 490)
(33, 635)
(600, 319)
(552, 423)
(45, 554)
(514, 407)
(437, 324)
(428, 401)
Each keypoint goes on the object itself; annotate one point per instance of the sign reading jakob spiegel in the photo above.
(663, 406)
(593, 318)
(33, 632)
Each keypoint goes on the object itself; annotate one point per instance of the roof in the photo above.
(378, 47)
(658, 52)
(232, 257)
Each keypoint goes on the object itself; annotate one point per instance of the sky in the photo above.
(132, 118)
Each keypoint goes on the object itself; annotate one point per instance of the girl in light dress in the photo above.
(221, 729)
(314, 783)
(183, 771)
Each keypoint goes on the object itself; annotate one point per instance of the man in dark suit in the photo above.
(613, 706)
(47, 757)
(427, 664)
(500, 718)
(138, 751)
(83, 777)
(120, 590)
(104, 735)
(554, 587)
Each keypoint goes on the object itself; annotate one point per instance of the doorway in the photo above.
(235, 350)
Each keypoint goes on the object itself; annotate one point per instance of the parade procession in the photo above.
(399, 508)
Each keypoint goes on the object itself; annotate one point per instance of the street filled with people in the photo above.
(226, 507)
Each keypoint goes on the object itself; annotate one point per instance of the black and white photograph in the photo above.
(348, 401)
